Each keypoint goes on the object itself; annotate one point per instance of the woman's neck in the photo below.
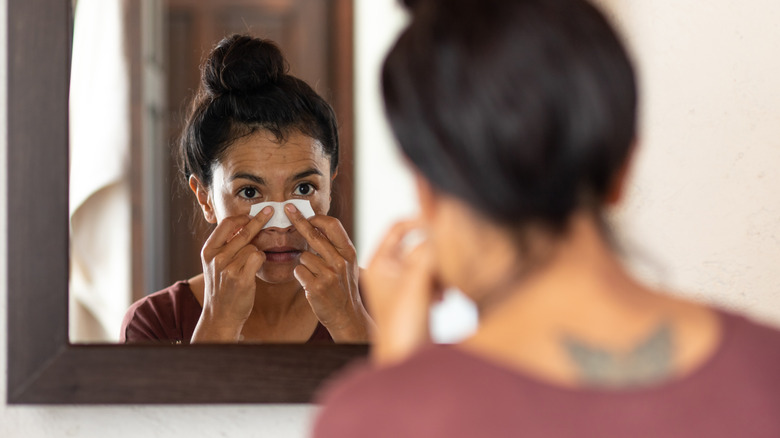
(581, 300)
(276, 301)
(577, 272)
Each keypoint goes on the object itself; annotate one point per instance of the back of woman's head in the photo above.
(245, 87)
(524, 109)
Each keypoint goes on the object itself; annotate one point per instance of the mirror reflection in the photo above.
(139, 220)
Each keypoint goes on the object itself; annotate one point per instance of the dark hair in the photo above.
(245, 87)
(524, 109)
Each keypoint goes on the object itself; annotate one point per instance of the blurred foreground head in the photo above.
(523, 109)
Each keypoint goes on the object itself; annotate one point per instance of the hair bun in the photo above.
(242, 64)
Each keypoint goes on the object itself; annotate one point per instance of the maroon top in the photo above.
(448, 392)
(171, 315)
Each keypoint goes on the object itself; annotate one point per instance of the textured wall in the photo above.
(703, 201)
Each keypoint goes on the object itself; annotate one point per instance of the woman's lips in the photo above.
(282, 254)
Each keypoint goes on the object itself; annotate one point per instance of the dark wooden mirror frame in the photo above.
(43, 367)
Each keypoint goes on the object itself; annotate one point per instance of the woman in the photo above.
(257, 134)
(518, 118)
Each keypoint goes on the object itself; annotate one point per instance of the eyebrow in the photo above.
(254, 178)
(260, 181)
(306, 173)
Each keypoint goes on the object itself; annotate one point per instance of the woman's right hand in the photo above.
(401, 286)
(230, 264)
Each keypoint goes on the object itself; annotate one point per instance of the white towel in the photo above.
(99, 158)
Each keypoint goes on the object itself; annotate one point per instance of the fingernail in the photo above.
(413, 239)
(290, 208)
(268, 210)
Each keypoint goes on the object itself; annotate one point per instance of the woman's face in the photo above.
(258, 168)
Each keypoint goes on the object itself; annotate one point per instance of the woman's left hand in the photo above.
(329, 276)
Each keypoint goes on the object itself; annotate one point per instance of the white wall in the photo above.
(704, 198)
(384, 190)
(702, 201)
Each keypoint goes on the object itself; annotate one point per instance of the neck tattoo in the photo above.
(647, 363)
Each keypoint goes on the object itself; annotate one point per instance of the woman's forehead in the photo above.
(263, 153)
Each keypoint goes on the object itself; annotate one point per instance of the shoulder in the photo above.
(162, 316)
(363, 377)
(405, 399)
(177, 293)
(750, 344)
(445, 391)
(745, 367)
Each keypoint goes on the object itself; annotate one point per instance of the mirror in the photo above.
(135, 227)
(43, 367)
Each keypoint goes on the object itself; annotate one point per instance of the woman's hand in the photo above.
(230, 263)
(329, 276)
(400, 289)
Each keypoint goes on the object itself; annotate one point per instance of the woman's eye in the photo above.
(248, 192)
(304, 189)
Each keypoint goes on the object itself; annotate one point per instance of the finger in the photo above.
(243, 267)
(327, 276)
(404, 310)
(223, 232)
(336, 234)
(414, 271)
(305, 277)
(317, 240)
(242, 255)
(313, 263)
(249, 259)
(419, 290)
(245, 234)
(391, 244)
(419, 263)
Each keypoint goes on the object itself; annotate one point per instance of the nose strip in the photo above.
(279, 219)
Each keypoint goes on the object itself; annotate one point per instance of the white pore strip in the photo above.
(279, 219)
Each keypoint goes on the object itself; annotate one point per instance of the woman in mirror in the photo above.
(256, 134)
(519, 119)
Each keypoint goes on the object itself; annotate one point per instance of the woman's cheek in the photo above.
(321, 204)
(227, 206)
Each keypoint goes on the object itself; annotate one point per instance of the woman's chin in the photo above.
(276, 275)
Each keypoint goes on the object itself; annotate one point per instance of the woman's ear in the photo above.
(620, 182)
(426, 196)
(203, 196)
